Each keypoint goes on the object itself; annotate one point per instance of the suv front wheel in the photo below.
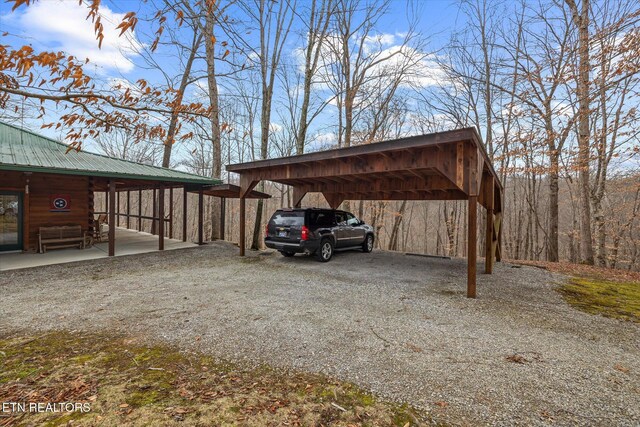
(367, 246)
(325, 251)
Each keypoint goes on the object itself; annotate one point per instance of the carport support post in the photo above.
(161, 216)
(154, 215)
(171, 212)
(112, 217)
(139, 210)
(223, 209)
(200, 216)
(184, 213)
(471, 246)
(118, 209)
(488, 250)
(242, 225)
(128, 209)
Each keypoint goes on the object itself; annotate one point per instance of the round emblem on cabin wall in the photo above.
(60, 203)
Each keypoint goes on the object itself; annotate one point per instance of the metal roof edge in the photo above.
(96, 154)
(197, 179)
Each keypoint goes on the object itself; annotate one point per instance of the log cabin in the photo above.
(44, 184)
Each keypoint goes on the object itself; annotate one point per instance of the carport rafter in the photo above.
(440, 166)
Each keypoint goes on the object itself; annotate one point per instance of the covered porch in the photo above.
(47, 196)
(130, 242)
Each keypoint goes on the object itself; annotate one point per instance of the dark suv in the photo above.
(316, 231)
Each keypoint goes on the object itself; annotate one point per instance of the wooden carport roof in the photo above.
(450, 165)
(231, 191)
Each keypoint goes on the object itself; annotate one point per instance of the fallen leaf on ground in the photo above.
(621, 368)
(517, 358)
(414, 348)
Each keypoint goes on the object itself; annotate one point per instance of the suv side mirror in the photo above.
(361, 222)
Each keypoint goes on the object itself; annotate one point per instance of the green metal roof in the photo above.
(23, 150)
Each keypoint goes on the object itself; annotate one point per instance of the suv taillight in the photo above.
(266, 230)
(304, 233)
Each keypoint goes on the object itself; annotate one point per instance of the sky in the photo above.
(62, 25)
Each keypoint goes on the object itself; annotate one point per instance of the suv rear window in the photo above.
(288, 218)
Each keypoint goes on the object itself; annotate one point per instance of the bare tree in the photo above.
(320, 14)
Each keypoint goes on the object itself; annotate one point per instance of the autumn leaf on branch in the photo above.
(59, 80)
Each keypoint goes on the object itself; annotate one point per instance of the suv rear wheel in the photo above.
(367, 246)
(325, 251)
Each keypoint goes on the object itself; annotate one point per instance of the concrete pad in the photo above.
(128, 242)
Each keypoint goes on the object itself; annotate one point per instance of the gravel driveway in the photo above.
(398, 325)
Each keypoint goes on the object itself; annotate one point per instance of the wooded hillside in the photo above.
(552, 86)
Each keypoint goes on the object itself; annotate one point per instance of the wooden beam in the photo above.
(410, 144)
(408, 184)
(223, 216)
(471, 246)
(401, 195)
(184, 213)
(161, 216)
(139, 210)
(479, 169)
(112, 217)
(498, 237)
(118, 208)
(473, 179)
(247, 183)
(200, 216)
(460, 164)
(489, 254)
(298, 195)
(425, 158)
(154, 229)
(128, 209)
(334, 199)
(242, 225)
(171, 212)
(26, 215)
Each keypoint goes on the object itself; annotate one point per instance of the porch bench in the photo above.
(64, 236)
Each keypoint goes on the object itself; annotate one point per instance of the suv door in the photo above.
(340, 230)
(354, 230)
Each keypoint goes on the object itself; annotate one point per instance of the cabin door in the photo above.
(10, 220)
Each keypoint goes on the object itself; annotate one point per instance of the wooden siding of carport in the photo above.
(445, 166)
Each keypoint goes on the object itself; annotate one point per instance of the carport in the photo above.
(451, 165)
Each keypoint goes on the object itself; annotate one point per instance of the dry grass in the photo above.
(130, 384)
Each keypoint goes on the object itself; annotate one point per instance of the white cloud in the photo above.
(373, 43)
(62, 25)
(322, 141)
(275, 127)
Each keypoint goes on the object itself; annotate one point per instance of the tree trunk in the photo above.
(552, 248)
(393, 240)
(581, 21)
(184, 82)
(216, 161)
